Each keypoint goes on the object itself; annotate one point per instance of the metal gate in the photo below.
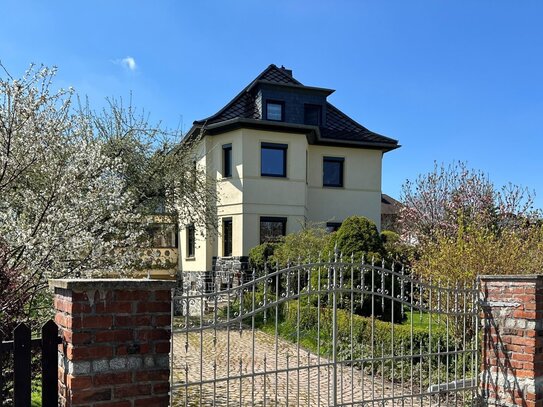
(326, 334)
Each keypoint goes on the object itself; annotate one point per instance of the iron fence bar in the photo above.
(319, 337)
(172, 361)
(49, 364)
(298, 336)
(277, 283)
(339, 291)
(22, 360)
(1, 367)
(334, 334)
(253, 303)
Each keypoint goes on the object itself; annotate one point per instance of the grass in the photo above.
(422, 320)
(35, 398)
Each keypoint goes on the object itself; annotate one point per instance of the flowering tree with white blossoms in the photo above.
(74, 185)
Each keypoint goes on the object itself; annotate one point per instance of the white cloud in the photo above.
(129, 63)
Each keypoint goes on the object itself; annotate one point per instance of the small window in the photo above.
(312, 115)
(227, 160)
(227, 237)
(191, 241)
(162, 235)
(275, 110)
(332, 226)
(272, 229)
(332, 171)
(273, 160)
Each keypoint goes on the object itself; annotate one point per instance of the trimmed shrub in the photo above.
(357, 236)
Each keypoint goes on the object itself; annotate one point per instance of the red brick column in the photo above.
(512, 348)
(116, 342)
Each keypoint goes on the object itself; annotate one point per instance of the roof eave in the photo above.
(313, 132)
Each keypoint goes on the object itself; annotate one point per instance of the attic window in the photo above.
(275, 110)
(312, 115)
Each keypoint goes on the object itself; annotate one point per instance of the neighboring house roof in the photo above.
(244, 111)
(389, 205)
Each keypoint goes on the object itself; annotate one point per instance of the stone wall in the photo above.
(230, 271)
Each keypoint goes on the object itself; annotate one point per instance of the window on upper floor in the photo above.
(332, 171)
(227, 236)
(312, 115)
(191, 241)
(273, 160)
(163, 235)
(275, 110)
(227, 160)
(272, 228)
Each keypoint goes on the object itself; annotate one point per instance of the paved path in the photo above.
(223, 374)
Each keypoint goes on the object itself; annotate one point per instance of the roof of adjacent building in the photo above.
(389, 205)
(243, 111)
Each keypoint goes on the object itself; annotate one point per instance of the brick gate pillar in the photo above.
(116, 341)
(512, 344)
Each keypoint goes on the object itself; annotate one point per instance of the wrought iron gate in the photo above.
(326, 334)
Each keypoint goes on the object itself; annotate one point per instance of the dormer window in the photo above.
(312, 115)
(275, 110)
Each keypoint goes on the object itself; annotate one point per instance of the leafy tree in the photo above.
(463, 226)
(159, 168)
(74, 184)
(439, 202)
(395, 249)
(475, 250)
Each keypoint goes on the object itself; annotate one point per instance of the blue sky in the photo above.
(451, 80)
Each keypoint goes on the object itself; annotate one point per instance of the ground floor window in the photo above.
(272, 228)
(227, 236)
(191, 241)
(332, 226)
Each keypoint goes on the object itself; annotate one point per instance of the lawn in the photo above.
(422, 320)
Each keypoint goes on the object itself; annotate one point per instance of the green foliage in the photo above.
(357, 236)
(308, 244)
(259, 255)
(475, 250)
(394, 248)
(371, 338)
(35, 397)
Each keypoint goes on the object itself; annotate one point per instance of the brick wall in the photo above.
(512, 348)
(116, 342)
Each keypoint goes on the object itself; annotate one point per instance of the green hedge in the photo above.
(426, 369)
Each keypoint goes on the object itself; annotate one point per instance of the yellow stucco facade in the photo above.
(300, 196)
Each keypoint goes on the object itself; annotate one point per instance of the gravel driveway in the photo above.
(243, 370)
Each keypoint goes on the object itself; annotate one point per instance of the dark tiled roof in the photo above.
(242, 106)
(389, 205)
(338, 126)
(277, 75)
